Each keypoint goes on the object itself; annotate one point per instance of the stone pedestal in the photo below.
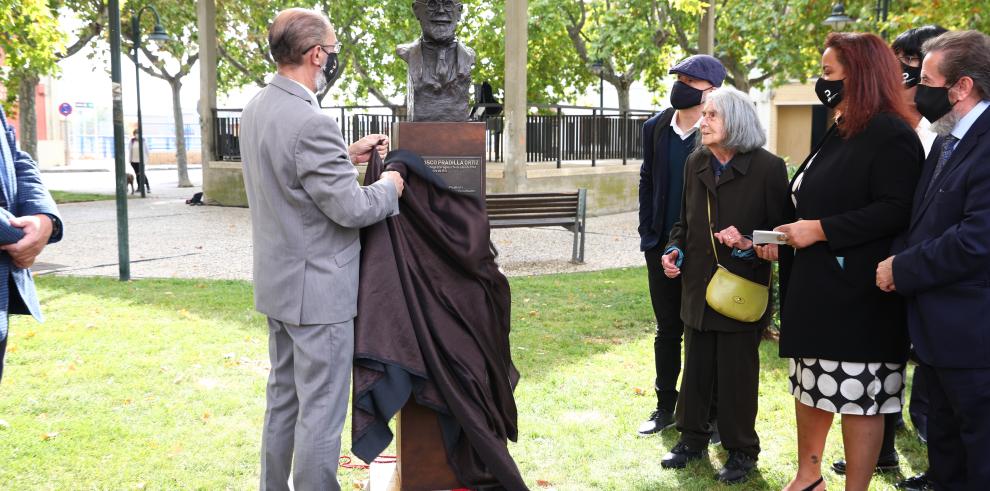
(456, 152)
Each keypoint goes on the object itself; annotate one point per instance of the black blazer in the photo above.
(861, 189)
(653, 180)
(943, 260)
(750, 195)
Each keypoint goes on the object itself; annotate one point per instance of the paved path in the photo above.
(171, 239)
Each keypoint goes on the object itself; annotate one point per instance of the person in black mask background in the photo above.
(845, 338)
(668, 138)
(908, 49)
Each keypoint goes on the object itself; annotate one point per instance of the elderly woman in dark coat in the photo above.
(745, 187)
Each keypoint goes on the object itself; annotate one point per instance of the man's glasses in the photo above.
(333, 48)
(434, 6)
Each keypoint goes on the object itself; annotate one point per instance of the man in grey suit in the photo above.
(306, 212)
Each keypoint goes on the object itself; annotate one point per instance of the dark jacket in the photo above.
(943, 261)
(750, 195)
(653, 180)
(861, 189)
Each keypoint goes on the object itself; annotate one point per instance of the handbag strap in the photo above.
(711, 235)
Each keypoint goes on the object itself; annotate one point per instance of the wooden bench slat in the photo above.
(540, 209)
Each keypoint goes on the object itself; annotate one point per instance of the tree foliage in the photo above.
(30, 39)
(370, 32)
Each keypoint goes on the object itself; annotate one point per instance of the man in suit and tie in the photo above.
(29, 221)
(306, 212)
(942, 263)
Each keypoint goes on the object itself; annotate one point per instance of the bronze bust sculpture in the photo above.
(439, 65)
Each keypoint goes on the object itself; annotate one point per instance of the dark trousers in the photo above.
(3, 351)
(726, 366)
(959, 428)
(139, 177)
(919, 406)
(665, 294)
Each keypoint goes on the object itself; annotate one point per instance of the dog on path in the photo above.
(130, 182)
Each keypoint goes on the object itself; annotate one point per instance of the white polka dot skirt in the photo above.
(846, 387)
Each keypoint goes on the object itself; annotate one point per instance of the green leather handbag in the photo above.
(732, 295)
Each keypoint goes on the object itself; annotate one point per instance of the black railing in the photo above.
(554, 134)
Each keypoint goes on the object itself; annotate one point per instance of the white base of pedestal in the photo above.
(384, 477)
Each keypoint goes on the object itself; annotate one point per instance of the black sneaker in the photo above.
(737, 468)
(659, 421)
(888, 464)
(680, 455)
(916, 483)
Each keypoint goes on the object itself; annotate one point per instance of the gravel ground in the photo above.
(169, 239)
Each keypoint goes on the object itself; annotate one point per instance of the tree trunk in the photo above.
(27, 116)
(623, 91)
(180, 135)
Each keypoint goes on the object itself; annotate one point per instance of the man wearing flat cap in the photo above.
(668, 138)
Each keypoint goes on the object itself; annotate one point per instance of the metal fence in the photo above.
(553, 134)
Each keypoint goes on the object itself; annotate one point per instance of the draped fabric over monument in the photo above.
(433, 322)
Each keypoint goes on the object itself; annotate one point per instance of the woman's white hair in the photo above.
(743, 131)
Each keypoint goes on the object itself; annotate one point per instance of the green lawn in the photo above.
(159, 384)
(62, 197)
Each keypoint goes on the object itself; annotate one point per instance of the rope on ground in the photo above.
(348, 463)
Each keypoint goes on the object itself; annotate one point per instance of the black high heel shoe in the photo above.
(814, 484)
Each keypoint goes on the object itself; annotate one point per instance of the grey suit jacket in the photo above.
(306, 207)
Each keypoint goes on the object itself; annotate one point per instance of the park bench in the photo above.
(541, 210)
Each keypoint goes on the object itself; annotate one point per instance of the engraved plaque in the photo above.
(460, 173)
(455, 151)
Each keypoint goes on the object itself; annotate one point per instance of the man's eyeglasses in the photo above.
(328, 48)
(434, 6)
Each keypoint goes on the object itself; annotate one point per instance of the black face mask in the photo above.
(911, 74)
(332, 68)
(829, 92)
(683, 96)
(933, 102)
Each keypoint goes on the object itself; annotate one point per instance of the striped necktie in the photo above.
(947, 147)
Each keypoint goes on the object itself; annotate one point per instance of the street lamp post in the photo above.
(158, 34)
(123, 253)
(838, 18)
(599, 67)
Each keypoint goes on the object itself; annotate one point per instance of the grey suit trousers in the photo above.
(307, 396)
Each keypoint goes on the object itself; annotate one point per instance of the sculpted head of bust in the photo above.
(438, 19)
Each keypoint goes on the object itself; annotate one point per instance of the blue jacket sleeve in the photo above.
(32, 196)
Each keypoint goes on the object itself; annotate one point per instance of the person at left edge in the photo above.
(668, 138)
(25, 204)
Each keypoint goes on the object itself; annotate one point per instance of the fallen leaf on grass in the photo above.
(4, 424)
(534, 313)
(49, 436)
(206, 416)
(639, 391)
(140, 485)
(29, 334)
(543, 483)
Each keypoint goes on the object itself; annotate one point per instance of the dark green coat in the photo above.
(751, 195)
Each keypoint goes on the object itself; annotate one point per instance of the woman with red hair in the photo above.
(845, 338)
